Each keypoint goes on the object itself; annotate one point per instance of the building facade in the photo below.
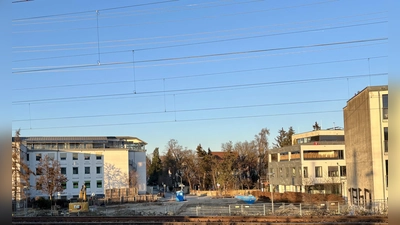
(366, 128)
(99, 163)
(315, 163)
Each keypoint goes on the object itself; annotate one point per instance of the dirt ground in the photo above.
(169, 206)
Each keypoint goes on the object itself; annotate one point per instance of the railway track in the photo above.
(192, 220)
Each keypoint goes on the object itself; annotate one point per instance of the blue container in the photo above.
(180, 196)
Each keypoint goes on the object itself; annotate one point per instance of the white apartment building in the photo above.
(314, 163)
(99, 163)
(366, 123)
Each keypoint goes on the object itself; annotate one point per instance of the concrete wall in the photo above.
(139, 164)
(363, 123)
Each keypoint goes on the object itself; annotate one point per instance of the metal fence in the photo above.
(285, 209)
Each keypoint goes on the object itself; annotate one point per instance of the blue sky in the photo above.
(200, 72)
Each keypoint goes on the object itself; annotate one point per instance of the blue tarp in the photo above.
(249, 199)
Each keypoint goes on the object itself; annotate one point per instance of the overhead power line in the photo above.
(92, 11)
(245, 29)
(181, 110)
(42, 69)
(141, 12)
(225, 87)
(325, 28)
(184, 20)
(200, 75)
(183, 120)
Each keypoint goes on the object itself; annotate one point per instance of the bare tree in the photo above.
(190, 171)
(20, 170)
(50, 179)
(262, 145)
(247, 163)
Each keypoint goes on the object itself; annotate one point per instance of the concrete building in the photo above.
(99, 163)
(315, 163)
(366, 129)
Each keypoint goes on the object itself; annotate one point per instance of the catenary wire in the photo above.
(91, 11)
(178, 20)
(202, 88)
(199, 43)
(182, 110)
(42, 69)
(184, 120)
(128, 13)
(202, 74)
(217, 31)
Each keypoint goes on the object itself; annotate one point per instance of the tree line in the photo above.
(240, 165)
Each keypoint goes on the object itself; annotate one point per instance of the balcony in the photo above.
(319, 155)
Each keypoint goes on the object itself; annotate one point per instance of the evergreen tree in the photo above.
(284, 138)
(316, 126)
(155, 169)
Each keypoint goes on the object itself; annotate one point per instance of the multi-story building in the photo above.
(99, 163)
(315, 163)
(366, 129)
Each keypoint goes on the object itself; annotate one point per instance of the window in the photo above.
(87, 156)
(385, 106)
(340, 154)
(342, 171)
(63, 156)
(98, 156)
(87, 184)
(387, 172)
(74, 156)
(75, 170)
(87, 170)
(333, 171)
(98, 170)
(38, 156)
(300, 171)
(27, 157)
(64, 185)
(99, 184)
(51, 156)
(63, 170)
(386, 138)
(281, 172)
(318, 171)
(305, 172)
(293, 171)
(38, 171)
(75, 184)
(287, 171)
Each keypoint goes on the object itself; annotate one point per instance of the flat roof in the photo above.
(98, 139)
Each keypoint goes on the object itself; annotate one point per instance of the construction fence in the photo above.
(286, 209)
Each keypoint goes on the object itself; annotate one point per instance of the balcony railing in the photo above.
(316, 155)
(284, 157)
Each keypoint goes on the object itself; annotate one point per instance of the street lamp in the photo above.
(272, 190)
